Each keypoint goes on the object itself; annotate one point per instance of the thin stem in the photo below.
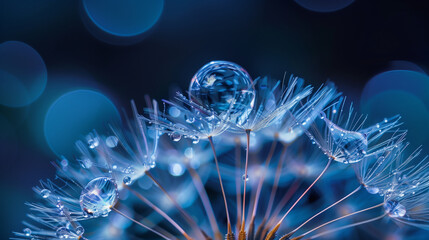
(285, 199)
(276, 182)
(140, 224)
(272, 232)
(308, 189)
(238, 181)
(158, 210)
(261, 180)
(243, 213)
(205, 200)
(324, 210)
(262, 230)
(175, 203)
(342, 217)
(347, 226)
(221, 185)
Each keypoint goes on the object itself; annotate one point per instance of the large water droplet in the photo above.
(245, 177)
(224, 87)
(394, 209)
(350, 146)
(99, 196)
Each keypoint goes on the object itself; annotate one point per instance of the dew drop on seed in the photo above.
(195, 140)
(224, 87)
(189, 119)
(63, 232)
(112, 141)
(175, 136)
(93, 142)
(45, 193)
(127, 180)
(27, 231)
(99, 196)
(350, 145)
(372, 189)
(79, 230)
(394, 209)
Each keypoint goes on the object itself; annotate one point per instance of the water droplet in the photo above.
(189, 119)
(129, 170)
(224, 87)
(195, 140)
(63, 232)
(394, 209)
(99, 196)
(27, 231)
(86, 163)
(112, 141)
(127, 180)
(93, 142)
(245, 177)
(175, 136)
(350, 146)
(372, 189)
(152, 164)
(79, 230)
(45, 193)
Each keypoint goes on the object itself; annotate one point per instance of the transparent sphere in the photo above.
(351, 146)
(224, 87)
(99, 196)
(63, 232)
(372, 189)
(394, 209)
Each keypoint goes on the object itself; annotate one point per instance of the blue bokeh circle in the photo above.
(324, 6)
(23, 74)
(75, 114)
(125, 18)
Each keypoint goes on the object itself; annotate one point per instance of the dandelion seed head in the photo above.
(160, 158)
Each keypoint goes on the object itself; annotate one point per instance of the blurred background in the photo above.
(69, 66)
